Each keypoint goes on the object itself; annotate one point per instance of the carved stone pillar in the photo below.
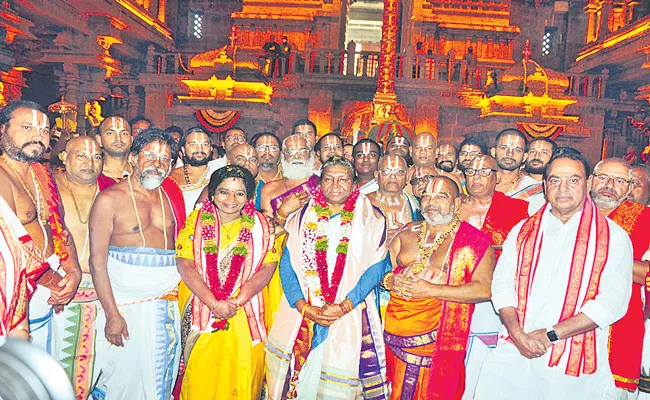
(155, 104)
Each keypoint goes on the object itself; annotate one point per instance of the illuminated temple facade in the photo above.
(575, 70)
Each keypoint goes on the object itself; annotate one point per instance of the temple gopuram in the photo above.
(574, 70)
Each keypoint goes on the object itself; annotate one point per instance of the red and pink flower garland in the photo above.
(223, 290)
(329, 289)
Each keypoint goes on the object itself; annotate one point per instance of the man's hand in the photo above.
(314, 313)
(224, 309)
(540, 336)
(528, 345)
(68, 288)
(332, 310)
(292, 203)
(115, 330)
(416, 288)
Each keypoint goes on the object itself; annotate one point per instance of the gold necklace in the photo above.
(35, 201)
(74, 200)
(137, 214)
(425, 253)
(229, 230)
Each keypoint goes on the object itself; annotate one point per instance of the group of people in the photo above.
(310, 268)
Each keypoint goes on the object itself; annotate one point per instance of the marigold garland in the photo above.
(328, 289)
(59, 235)
(223, 290)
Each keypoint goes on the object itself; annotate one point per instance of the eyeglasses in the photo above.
(267, 147)
(618, 181)
(469, 153)
(481, 172)
(243, 160)
(236, 138)
(388, 172)
(423, 179)
(298, 152)
(151, 157)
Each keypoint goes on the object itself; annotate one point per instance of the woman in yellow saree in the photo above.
(226, 254)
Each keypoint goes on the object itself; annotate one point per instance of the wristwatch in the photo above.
(552, 335)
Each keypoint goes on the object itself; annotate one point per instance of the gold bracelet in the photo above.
(384, 282)
(350, 305)
(21, 329)
(304, 309)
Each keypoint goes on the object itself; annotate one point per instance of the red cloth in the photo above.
(626, 335)
(504, 213)
(104, 181)
(445, 381)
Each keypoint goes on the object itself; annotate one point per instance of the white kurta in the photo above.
(506, 374)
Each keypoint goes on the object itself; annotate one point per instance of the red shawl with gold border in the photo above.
(626, 335)
(504, 213)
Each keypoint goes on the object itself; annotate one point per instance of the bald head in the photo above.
(424, 148)
(245, 156)
(441, 183)
(83, 160)
(482, 177)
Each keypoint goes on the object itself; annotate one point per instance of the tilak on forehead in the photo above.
(419, 172)
(293, 139)
(435, 187)
(393, 161)
(400, 141)
(39, 119)
(511, 141)
(248, 151)
(425, 140)
(481, 162)
(367, 148)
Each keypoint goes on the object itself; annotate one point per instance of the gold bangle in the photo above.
(21, 329)
(350, 305)
(384, 282)
(304, 309)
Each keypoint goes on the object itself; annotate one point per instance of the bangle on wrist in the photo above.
(304, 309)
(384, 282)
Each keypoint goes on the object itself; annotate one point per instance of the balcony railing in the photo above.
(364, 65)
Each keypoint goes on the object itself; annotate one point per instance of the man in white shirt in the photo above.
(563, 278)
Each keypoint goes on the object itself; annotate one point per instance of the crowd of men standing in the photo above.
(154, 267)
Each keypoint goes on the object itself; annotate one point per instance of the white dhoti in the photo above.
(483, 336)
(41, 321)
(144, 282)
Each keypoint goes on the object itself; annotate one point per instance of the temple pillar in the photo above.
(605, 10)
(590, 10)
(425, 115)
(133, 103)
(155, 104)
(320, 110)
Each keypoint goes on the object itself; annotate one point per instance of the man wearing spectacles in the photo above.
(494, 214)
(564, 277)
(282, 197)
(609, 185)
(231, 138)
(469, 149)
(268, 148)
(421, 176)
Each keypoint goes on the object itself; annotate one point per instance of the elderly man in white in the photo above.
(564, 277)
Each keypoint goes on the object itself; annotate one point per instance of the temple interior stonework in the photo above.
(577, 71)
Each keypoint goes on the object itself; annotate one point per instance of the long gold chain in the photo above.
(34, 200)
(425, 253)
(137, 214)
(74, 200)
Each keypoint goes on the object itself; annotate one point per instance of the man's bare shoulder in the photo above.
(272, 187)
(178, 175)
(115, 191)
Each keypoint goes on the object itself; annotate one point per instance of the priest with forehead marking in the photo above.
(78, 187)
(441, 266)
(365, 155)
(115, 139)
(494, 214)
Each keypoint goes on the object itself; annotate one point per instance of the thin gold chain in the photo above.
(74, 200)
(137, 214)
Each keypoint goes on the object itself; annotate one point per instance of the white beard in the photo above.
(439, 219)
(297, 170)
(150, 181)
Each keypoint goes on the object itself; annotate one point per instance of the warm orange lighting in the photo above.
(227, 90)
(22, 69)
(526, 106)
(614, 40)
(146, 18)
